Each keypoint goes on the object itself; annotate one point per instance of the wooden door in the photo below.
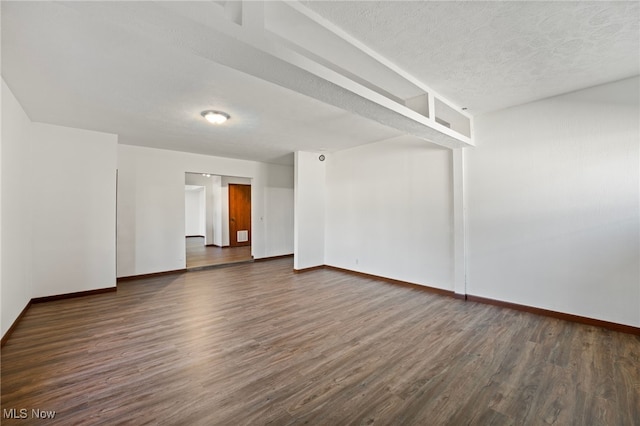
(239, 215)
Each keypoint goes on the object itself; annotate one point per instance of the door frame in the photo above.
(233, 236)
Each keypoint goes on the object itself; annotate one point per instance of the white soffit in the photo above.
(294, 76)
(492, 55)
(145, 71)
(69, 65)
(242, 42)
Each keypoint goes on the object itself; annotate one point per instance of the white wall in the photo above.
(554, 204)
(216, 194)
(207, 183)
(309, 211)
(194, 211)
(2, 329)
(151, 206)
(74, 221)
(16, 265)
(389, 211)
(58, 209)
(278, 210)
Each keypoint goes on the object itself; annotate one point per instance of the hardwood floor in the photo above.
(257, 344)
(199, 255)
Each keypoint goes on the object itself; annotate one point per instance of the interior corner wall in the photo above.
(389, 211)
(194, 219)
(278, 209)
(151, 221)
(16, 279)
(58, 209)
(553, 214)
(309, 211)
(74, 220)
(208, 183)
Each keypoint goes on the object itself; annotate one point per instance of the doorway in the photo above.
(217, 220)
(239, 215)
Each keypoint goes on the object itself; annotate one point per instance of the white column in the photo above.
(309, 210)
(459, 223)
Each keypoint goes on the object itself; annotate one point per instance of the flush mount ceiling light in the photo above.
(215, 117)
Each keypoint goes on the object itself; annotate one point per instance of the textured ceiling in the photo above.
(491, 55)
(73, 68)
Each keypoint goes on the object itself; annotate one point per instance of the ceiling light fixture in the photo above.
(215, 117)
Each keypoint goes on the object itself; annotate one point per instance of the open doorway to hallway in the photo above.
(217, 219)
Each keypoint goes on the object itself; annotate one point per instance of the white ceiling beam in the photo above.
(295, 4)
(253, 16)
(247, 49)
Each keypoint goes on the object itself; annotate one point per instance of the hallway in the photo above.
(199, 255)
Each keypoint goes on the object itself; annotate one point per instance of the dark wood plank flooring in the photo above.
(199, 255)
(257, 344)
